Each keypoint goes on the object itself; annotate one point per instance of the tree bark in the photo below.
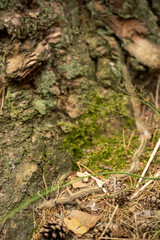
(52, 52)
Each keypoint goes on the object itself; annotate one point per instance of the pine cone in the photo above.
(113, 231)
(54, 230)
(147, 224)
(153, 200)
(115, 187)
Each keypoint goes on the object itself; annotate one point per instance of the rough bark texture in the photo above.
(52, 52)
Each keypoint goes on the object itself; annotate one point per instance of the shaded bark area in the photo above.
(52, 53)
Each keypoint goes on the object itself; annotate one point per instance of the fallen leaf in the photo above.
(86, 219)
(75, 226)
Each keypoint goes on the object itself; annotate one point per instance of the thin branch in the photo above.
(147, 183)
(70, 200)
(110, 221)
(150, 160)
(157, 93)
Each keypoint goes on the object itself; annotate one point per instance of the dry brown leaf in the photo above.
(75, 226)
(86, 219)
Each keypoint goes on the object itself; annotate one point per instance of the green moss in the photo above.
(97, 127)
(101, 137)
(111, 154)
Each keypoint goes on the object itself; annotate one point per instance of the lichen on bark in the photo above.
(46, 98)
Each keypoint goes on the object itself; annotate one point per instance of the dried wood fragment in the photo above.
(20, 65)
(69, 200)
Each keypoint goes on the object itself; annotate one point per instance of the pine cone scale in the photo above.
(54, 230)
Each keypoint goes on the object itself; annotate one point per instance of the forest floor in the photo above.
(101, 205)
(119, 209)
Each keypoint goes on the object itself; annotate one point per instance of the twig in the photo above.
(155, 132)
(150, 160)
(64, 177)
(99, 182)
(157, 93)
(124, 142)
(130, 139)
(42, 197)
(85, 167)
(2, 91)
(45, 184)
(79, 166)
(141, 126)
(115, 238)
(142, 188)
(64, 200)
(110, 221)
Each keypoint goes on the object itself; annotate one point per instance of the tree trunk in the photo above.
(53, 53)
